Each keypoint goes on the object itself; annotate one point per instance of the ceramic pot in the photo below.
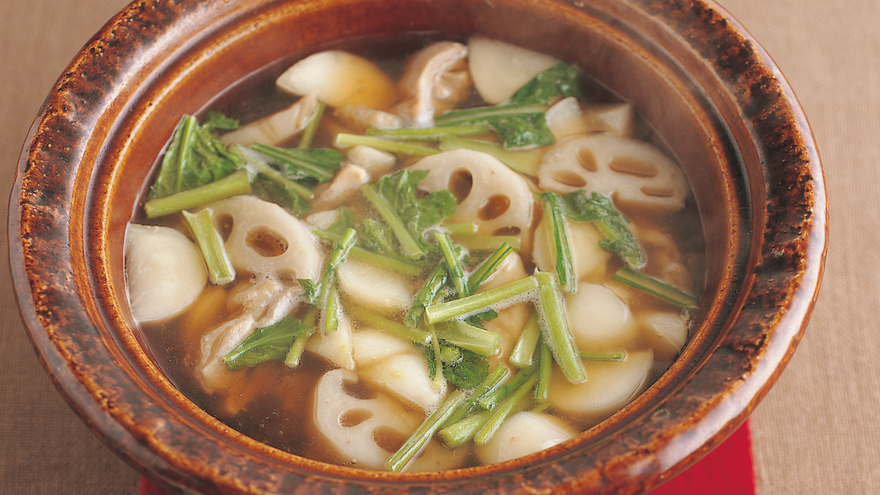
(713, 95)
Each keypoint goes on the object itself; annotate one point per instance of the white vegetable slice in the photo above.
(499, 69)
(599, 320)
(637, 175)
(609, 387)
(370, 346)
(265, 240)
(335, 347)
(590, 261)
(524, 433)
(488, 192)
(276, 128)
(665, 332)
(406, 376)
(340, 79)
(566, 118)
(375, 287)
(165, 272)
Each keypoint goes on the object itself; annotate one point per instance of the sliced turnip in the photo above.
(609, 387)
(522, 434)
(335, 347)
(165, 272)
(665, 332)
(340, 79)
(405, 375)
(589, 260)
(499, 69)
(599, 320)
(375, 287)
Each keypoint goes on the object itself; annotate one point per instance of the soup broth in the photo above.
(572, 235)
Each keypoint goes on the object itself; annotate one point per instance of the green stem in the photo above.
(293, 160)
(491, 399)
(471, 304)
(467, 336)
(425, 431)
(308, 134)
(503, 411)
(560, 246)
(277, 177)
(488, 267)
(481, 114)
(522, 355)
(610, 356)
(523, 161)
(233, 184)
(545, 369)
(456, 271)
(655, 287)
(462, 431)
(344, 140)
(556, 332)
(489, 385)
(294, 355)
(220, 269)
(380, 322)
(476, 242)
(429, 133)
(404, 267)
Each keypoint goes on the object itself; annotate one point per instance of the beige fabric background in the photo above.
(816, 433)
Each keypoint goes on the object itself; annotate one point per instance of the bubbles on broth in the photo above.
(274, 402)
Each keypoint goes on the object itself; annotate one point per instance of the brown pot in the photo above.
(713, 95)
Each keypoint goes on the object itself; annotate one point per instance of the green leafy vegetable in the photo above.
(406, 212)
(584, 206)
(461, 367)
(267, 344)
(195, 157)
(318, 164)
(559, 81)
(517, 125)
(521, 122)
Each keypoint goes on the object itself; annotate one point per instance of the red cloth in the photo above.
(727, 470)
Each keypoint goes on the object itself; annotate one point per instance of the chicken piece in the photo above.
(361, 117)
(362, 165)
(435, 80)
(264, 303)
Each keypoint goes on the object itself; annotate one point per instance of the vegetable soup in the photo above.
(450, 255)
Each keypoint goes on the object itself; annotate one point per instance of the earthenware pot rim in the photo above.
(49, 258)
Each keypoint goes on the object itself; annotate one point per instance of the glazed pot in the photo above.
(711, 93)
